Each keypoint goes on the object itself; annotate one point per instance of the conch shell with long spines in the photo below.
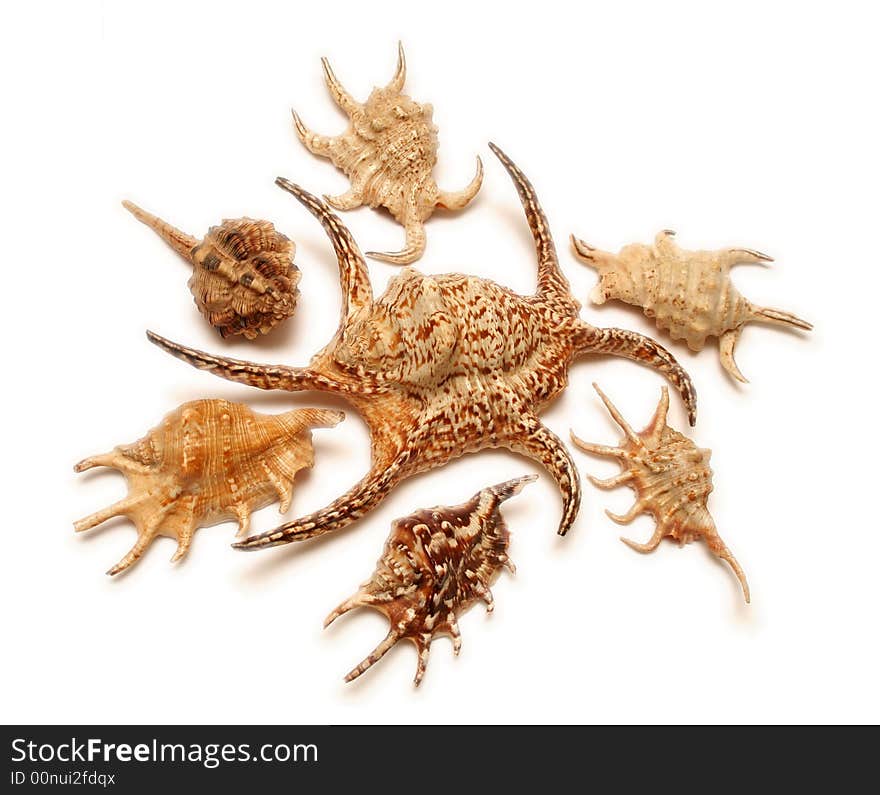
(207, 462)
(687, 293)
(388, 152)
(672, 480)
(441, 366)
(435, 565)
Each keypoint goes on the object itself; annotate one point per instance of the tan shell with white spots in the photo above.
(207, 462)
(672, 480)
(244, 280)
(436, 564)
(687, 293)
(388, 152)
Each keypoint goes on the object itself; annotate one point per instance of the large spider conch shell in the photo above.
(207, 462)
(672, 480)
(688, 293)
(443, 366)
(435, 565)
(244, 280)
(388, 152)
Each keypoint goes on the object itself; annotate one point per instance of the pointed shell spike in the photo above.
(726, 350)
(726, 555)
(618, 417)
(458, 200)
(396, 84)
(658, 421)
(181, 242)
(340, 95)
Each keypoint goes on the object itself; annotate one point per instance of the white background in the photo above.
(752, 125)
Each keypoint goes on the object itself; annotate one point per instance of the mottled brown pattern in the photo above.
(672, 481)
(440, 366)
(436, 564)
(207, 462)
(688, 293)
(244, 280)
(388, 152)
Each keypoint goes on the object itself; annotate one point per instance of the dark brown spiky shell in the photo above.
(435, 565)
(439, 562)
(244, 279)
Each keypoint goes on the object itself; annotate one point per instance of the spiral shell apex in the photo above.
(244, 280)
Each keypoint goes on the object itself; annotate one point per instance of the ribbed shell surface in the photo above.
(436, 563)
(439, 562)
(674, 480)
(391, 149)
(244, 280)
(208, 460)
(224, 454)
(691, 298)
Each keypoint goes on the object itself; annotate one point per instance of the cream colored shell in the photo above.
(687, 293)
(388, 152)
(207, 462)
(672, 480)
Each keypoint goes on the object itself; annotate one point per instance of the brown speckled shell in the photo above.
(244, 280)
(442, 366)
(206, 462)
(435, 565)
(687, 293)
(672, 480)
(388, 152)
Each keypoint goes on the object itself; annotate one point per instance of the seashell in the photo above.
(207, 462)
(672, 481)
(442, 366)
(688, 293)
(435, 565)
(388, 152)
(244, 280)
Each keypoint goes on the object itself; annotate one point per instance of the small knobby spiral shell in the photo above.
(244, 280)
(435, 565)
(206, 462)
(672, 480)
